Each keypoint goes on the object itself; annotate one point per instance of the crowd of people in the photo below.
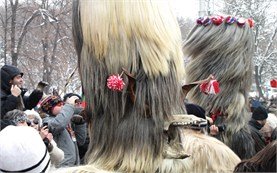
(58, 122)
(127, 129)
(62, 128)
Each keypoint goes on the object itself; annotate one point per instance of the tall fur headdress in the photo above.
(224, 46)
(144, 38)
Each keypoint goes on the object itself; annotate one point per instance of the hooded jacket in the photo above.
(10, 102)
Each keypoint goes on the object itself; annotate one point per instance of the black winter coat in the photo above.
(255, 128)
(10, 102)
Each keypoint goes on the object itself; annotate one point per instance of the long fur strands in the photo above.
(144, 38)
(226, 52)
(263, 161)
(208, 154)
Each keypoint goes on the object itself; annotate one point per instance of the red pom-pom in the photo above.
(211, 87)
(273, 83)
(115, 83)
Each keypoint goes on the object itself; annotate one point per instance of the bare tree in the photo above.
(4, 23)
(264, 14)
(41, 37)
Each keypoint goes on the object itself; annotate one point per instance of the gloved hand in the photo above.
(36, 95)
(77, 119)
(78, 110)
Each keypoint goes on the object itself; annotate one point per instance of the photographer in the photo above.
(59, 117)
(12, 93)
(81, 136)
(56, 154)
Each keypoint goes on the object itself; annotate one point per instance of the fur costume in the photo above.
(224, 50)
(137, 129)
(143, 37)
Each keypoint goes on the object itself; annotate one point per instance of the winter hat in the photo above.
(11, 71)
(22, 150)
(260, 113)
(49, 103)
(195, 110)
(254, 104)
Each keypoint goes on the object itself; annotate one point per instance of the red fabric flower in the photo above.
(211, 87)
(115, 83)
(217, 20)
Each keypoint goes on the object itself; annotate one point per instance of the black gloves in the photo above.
(77, 119)
(31, 101)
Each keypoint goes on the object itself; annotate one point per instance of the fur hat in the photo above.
(22, 150)
(260, 113)
(49, 103)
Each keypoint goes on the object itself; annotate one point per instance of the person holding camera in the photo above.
(56, 154)
(79, 119)
(58, 120)
(20, 118)
(12, 93)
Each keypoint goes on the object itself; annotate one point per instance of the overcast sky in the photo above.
(185, 8)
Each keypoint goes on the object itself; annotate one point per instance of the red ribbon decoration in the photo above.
(211, 87)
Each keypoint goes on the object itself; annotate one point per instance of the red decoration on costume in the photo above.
(217, 20)
(273, 83)
(251, 22)
(241, 22)
(215, 115)
(115, 83)
(211, 87)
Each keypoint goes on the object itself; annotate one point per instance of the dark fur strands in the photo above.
(263, 161)
(127, 136)
(226, 52)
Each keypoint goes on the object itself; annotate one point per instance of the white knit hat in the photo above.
(22, 150)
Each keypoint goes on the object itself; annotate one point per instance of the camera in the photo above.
(221, 128)
(45, 124)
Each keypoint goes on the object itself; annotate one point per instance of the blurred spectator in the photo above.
(34, 120)
(22, 150)
(12, 93)
(258, 120)
(268, 128)
(254, 103)
(82, 147)
(16, 116)
(58, 121)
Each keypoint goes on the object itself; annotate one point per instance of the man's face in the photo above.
(17, 80)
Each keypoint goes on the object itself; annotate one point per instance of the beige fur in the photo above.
(207, 153)
(156, 45)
